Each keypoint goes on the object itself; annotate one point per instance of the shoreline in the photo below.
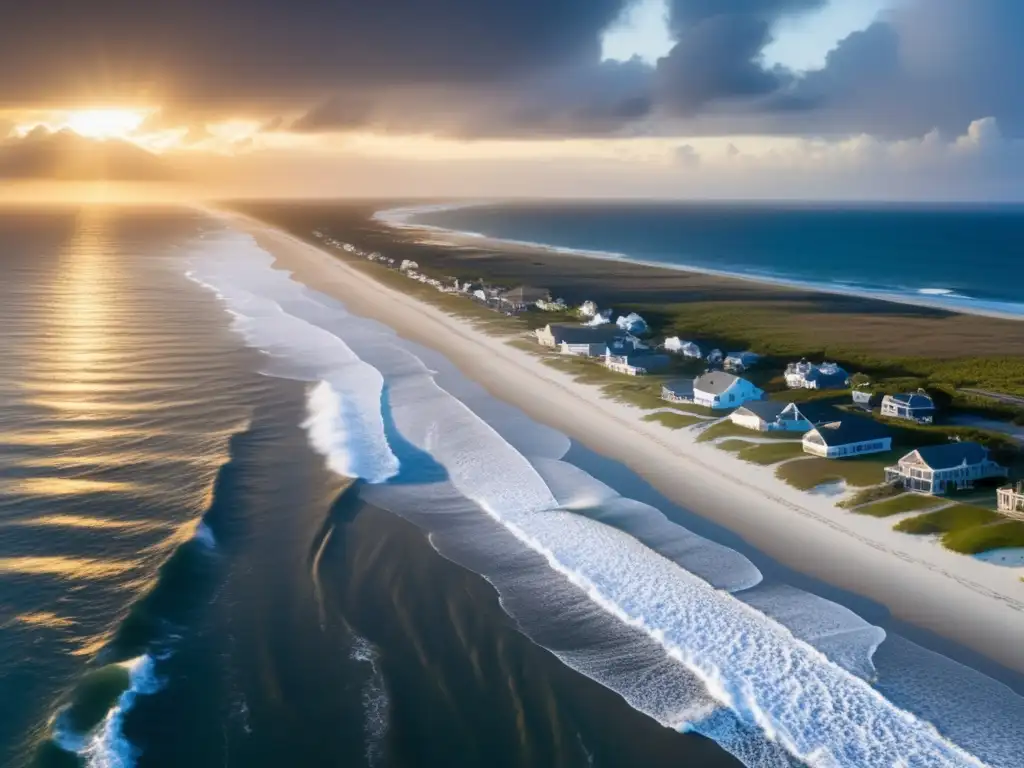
(975, 604)
(398, 219)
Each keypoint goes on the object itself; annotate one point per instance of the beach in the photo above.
(973, 603)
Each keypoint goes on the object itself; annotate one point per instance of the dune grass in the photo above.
(858, 472)
(766, 454)
(673, 420)
(967, 529)
(726, 428)
(971, 541)
(908, 502)
(870, 494)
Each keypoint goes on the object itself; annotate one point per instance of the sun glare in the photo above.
(104, 123)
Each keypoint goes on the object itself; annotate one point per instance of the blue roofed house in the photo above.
(677, 391)
(850, 436)
(582, 340)
(719, 389)
(634, 362)
(939, 469)
(806, 375)
(917, 406)
(771, 416)
(737, 362)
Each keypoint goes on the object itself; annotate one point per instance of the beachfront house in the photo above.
(677, 391)
(850, 436)
(918, 407)
(1011, 501)
(718, 389)
(685, 348)
(939, 469)
(632, 323)
(583, 340)
(864, 397)
(524, 296)
(738, 362)
(807, 375)
(635, 362)
(771, 416)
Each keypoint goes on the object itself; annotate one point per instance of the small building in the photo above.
(738, 362)
(524, 296)
(637, 362)
(715, 357)
(718, 389)
(939, 469)
(685, 348)
(632, 323)
(585, 340)
(1011, 501)
(864, 398)
(850, 436)
(771, 416)
(918, 407)
(806, 375)
(588, 309)
(678, 391)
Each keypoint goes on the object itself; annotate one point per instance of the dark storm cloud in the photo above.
(201, 50)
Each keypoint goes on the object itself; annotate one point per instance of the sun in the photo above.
(104, 123)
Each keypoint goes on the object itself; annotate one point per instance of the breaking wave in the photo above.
(682, 627)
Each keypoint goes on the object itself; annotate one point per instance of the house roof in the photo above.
(952, 455)
(715, 382)
(769, 410)
(849, 430)
(525, 294)
(643, 358)
(915, 400)
(679, 386)
(585, 334)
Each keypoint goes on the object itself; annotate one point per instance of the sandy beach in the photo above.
(976, 604)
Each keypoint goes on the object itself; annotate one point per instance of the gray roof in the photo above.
(850, 429)
(586, 334)
(679, 386)
(715, 382)
(644, 358)
(952, 454)
(769, 410)
(917, 400)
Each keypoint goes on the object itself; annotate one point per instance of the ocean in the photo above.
(241, 526)
(965, 258)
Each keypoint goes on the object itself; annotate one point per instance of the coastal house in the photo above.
(715, 357)
(1011, 501)
(864, 397)
(918, 407)
(636, 362)
(850, 436)
(585, 340)
(678, 391)
(524, 296)
(588, 309)
(685, 348)
(771, 416)
(807, 375)
(738, 362)
(632, 323)
(718, 389)
(939, 469)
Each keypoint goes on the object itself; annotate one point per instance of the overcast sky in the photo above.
(907, 99)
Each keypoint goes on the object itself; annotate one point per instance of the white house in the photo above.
(939, 469)
(852, 436)
(917, 407)
(406, 265)
(805, 375)
(634, 363)
(588, 309)
(771, 416)
(632, 323)
(737, 362)
(1011, 501)
(685, 348)
(718, 389)
(588, 341)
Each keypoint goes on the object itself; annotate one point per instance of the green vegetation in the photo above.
(967, 529)
(771, 453)
(733, 446)
(870, 494)
(908, 502)
(859, 472)
(947, 520)
(726, 428)
(673, 420)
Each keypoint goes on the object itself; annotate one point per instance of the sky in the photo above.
(794, 99)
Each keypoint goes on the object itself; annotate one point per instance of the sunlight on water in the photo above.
(66, 567)
(82, 521)
(65, 486)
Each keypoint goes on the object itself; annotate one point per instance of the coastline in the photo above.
(399, 219)
(973, 603)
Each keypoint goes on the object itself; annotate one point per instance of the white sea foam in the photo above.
(375, 700)
(107, 747)
(770, 679)
(204, 536)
